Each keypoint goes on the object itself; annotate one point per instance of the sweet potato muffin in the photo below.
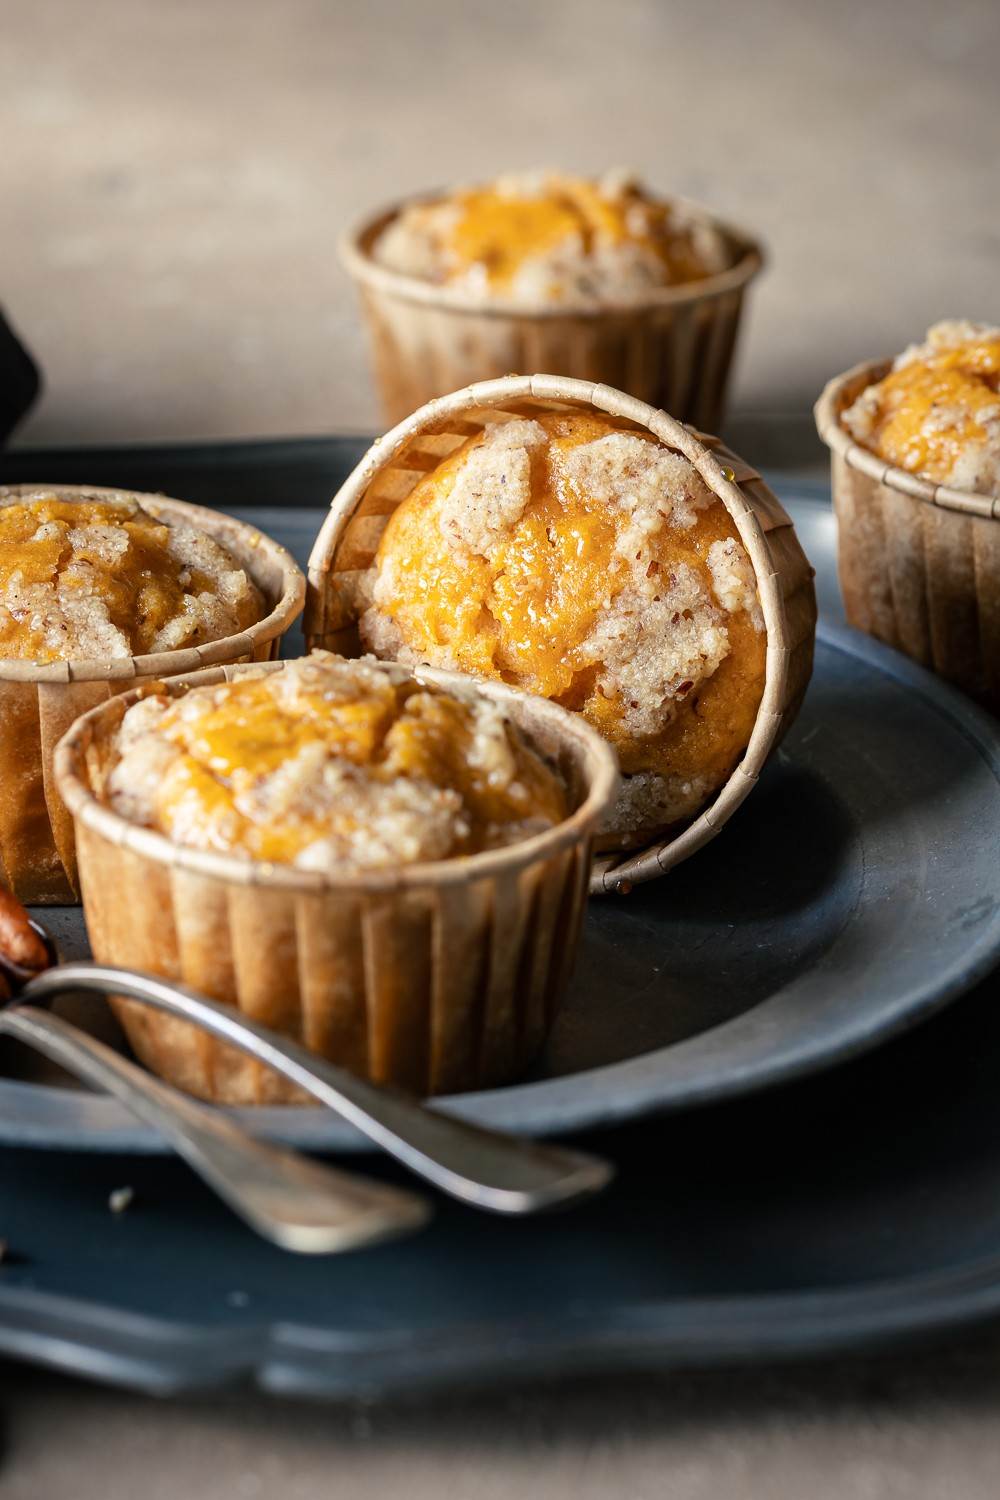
(544, 238)
(331, 765)
(915, 466)
(389, 867)
(937, 412)
(590, 564)
(100, 579)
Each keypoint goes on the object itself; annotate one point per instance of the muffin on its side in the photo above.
(915, 452)
(388, 866)
(574, 541)
(590, 564)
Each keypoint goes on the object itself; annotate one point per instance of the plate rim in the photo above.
(524, 1107)
(164, 1357)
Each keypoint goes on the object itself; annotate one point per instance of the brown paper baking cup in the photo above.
(434, 977)
(346, 545)
(673, 350)
(919, 563)
(38, 702)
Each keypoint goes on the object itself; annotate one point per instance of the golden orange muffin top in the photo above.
(937, 412)
(331, 763)
(97, 578)
(592, 565)
(549, 238)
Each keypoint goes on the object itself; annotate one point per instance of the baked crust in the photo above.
(543, 238)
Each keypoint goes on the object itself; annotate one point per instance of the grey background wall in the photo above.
(173, 177)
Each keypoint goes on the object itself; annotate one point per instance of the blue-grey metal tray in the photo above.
(857, 1205)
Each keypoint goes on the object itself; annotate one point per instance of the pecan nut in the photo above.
(21, 947)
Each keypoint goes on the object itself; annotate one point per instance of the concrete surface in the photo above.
(173, 177)
(908, 1429)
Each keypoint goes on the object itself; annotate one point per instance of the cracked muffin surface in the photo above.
(100, 578)
(582, 560)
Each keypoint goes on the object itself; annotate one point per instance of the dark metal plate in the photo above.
(854, 1207)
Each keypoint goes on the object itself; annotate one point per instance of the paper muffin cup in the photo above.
(919, 563)
(674, 349)
(38, 702)
(346, 546)
(435, 977)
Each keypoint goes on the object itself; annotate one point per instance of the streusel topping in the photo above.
(937, 412)
(544, 238)
(100, 578)
(330, 764)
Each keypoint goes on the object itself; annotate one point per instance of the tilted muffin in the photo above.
(331, 765)
(542, 238)
(388, 866)
(577, 542)
(100, 578)
(591, 565)
(98, 588)
(937, 412)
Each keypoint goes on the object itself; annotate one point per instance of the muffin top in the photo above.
(100, 578)
(331, 764)
(937, 412)
(592, 565)
(544, 238)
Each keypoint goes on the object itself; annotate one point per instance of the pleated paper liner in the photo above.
(39, 702)
(919, 563)
(673, 350)
(346, 545)
(434, 977)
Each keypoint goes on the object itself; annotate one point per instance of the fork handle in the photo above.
(485, 1168)
(290, 1200)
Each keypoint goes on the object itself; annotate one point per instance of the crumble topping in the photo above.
(100, 578)
(542, 237)
(331, 764)
(937, 412)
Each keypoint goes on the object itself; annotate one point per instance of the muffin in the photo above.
(571, 541)
(98, 587)
(599, 279)
(387, 866)
(916, 486)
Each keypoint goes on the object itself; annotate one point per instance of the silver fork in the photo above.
(296, 1203)
(486, 1169)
